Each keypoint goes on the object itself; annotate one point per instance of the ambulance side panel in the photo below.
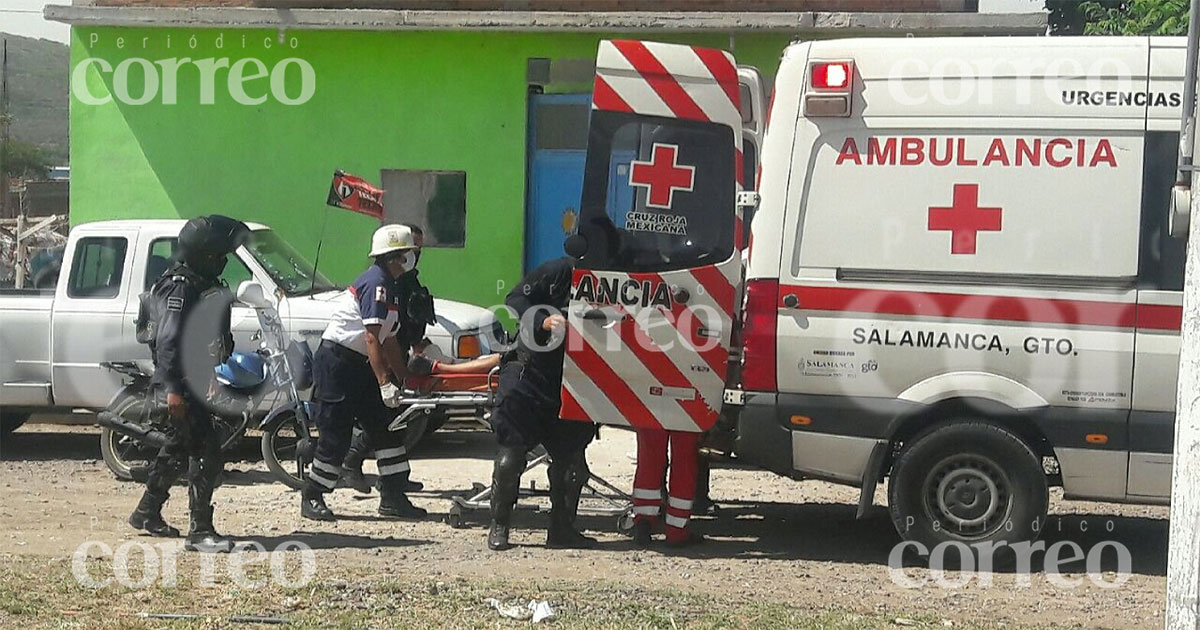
(964, 249)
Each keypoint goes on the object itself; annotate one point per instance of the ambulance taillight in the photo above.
(758, 371)
(830, 84)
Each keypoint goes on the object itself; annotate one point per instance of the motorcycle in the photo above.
(289, 435)
(134, 426)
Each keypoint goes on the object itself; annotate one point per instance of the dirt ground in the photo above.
(775, 542)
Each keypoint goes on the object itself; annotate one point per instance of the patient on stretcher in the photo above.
(428, 359)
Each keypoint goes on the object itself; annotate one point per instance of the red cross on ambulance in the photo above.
(965, 219)
(662, 175)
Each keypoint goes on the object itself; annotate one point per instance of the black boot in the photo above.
(394, 503)
(566, 482)
(506, 484)
(147, 516)
(409, 486)
(352, 474)
(641, 534)
(312, 505)
(202, 536)
(160, 476)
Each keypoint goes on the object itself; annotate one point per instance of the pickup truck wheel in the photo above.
(122, 454)
(11, 421)
(968, 482)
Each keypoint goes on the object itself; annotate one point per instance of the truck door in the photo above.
(654, 291)
(88, 317)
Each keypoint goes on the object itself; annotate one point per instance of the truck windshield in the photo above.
(658, 193)
(287, 267)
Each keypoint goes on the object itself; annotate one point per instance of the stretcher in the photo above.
(474, 396)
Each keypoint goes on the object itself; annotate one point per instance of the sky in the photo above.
(24, 17)
(1015, 6)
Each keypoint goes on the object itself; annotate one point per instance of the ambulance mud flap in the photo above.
(866, 496)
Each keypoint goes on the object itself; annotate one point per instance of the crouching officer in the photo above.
(352, 379)
(185, 319)
(527, 405)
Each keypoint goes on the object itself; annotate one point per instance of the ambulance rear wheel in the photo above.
(970, 483)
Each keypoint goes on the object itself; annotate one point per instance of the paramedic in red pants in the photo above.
(648, 481)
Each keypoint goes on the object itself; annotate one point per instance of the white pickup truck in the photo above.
(53, 341)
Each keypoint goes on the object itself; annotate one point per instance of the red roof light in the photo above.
(832, 75)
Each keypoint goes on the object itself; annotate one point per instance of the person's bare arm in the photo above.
(393, 352)
(482, 365)
(375, 354)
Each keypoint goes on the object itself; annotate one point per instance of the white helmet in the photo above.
(390, 238)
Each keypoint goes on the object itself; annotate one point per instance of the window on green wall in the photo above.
(435, 201)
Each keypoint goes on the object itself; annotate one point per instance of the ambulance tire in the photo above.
(968, 482)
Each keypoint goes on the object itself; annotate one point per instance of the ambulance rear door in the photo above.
(753, 103)
(654, 291)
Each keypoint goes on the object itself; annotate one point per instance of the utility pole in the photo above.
(4, 118)
(1183, 556)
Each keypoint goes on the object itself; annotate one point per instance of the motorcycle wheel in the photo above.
(125, 456)
(287, 448)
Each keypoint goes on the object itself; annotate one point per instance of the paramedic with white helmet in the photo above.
(352, 373)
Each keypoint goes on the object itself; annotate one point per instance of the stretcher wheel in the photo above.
(625, 523)
(455, 517)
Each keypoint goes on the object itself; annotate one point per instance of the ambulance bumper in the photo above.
(822, 437)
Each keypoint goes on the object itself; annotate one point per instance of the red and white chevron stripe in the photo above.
(651, 366)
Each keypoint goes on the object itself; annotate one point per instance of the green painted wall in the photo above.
(409, 100)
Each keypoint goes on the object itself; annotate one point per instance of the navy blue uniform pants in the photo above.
(345, 392)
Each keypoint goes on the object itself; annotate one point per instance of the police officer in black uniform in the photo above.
(191, 335)
(527, 407)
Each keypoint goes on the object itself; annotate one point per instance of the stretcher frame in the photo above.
(599, 498)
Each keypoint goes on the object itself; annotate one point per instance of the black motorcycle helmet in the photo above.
(204, 242)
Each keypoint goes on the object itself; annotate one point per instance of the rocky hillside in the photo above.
(38, 72)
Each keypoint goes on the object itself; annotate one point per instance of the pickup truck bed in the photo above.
(25, 347)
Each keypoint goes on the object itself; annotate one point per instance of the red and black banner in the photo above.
(354, 193)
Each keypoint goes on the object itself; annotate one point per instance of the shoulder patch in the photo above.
(174, 304)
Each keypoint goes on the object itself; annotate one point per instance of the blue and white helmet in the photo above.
(243, 370)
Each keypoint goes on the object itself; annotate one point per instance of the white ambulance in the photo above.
(960, 274)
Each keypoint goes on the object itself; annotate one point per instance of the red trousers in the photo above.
(651, 475)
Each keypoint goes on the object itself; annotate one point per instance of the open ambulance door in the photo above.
(752, 104)
(654, 292)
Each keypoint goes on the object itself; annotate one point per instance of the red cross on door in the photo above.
(965, 219)
(662, 175)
